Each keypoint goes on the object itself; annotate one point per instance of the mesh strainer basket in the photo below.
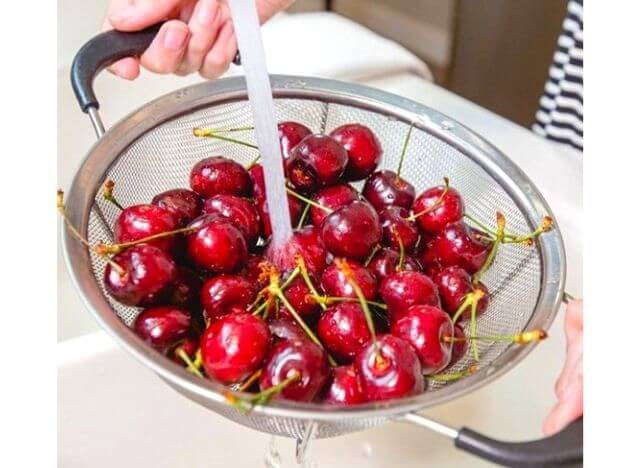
(153, 149)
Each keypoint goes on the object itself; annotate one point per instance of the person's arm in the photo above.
(197, 36)
(569, 384)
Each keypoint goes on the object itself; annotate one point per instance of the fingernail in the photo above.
(121, 16)
(207, 13)
(175, 38)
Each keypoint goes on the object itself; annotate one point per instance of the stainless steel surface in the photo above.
(153, 149)
(96, 121)
(430, 424)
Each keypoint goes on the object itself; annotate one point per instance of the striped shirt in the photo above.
(559, 117)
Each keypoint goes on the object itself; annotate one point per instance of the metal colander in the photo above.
(153, 149)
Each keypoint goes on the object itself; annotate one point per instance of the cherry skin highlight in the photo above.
(163, 327)
(234, 347)
(184, 204)
(343, 330)
(335, 283)
(385, 188)
(304, 358)
(286, 329)
(343, 388)
(397, 228)
(139, 221)
(385, 263)
(216, 245)
(449, 209)
(352, 231)
(404, 289)
(219, 175)
(226, 294)
(317, 161)
(291, 133)
(333, 197)
(240, 211)
(363, 149)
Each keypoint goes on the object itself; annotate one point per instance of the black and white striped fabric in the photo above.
(560, 115)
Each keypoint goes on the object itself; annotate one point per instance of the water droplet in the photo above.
(273, 459)
(446, 125)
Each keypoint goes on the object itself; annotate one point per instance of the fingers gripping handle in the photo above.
(561, 449)
(100, 52)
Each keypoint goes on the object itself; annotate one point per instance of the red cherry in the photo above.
(286, 329)
(291, 133)
(305, 242)
(240, 211)
(226, 294)
(396, 224)
(333, 197)
(148, 274)
(334, 282)
(385, 188)
(139, 221)
(343, 330)
(388, 368)
(385, 262)
(253, 271)
(343, 388)
(317, 161)
(453, 284)
(300, 297)
(352, 231)
(460, 346)
(404, 289)
(288, 358)
(456, 245)
(185, 289)
(217, 245)
(185, 205)
(363, 149)
(217, 174)
(425, 327)
(450, 208)
(234, 346)
(189, 345)
(163, 327)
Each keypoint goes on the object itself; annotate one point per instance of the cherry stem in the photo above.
(303, 216)
(501, 222)
(182, 354)
(453, 375)
(400, 265)
(252, 378)
(276, 291)
(331, 299)
(348, 274)
(405, 145)
(117, 248)
(371, 255)
(284, 286)
(525, 337)
(107, 193)
(435, 205)
(307, 279)
(208, 133)
(247, 404)
(230, 130)
(469, 298)
(546, 225)
(63, 212)
(309, 201)
(473, 330)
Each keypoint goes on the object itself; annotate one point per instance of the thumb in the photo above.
(134, 15)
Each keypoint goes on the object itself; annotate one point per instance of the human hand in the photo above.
(569, 384)
(198, 36)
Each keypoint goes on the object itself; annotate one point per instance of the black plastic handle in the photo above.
(103, 50)
(562, 449)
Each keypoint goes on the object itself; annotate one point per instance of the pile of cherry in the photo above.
(365, 303)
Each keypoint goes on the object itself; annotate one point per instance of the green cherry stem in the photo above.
(453, 375)
(303, 216)
(469, 298)
(309, 201)
(435, 205)
(400, 265)
(307, 279)
(331, 299)
(522, 338)
(501, 222)
(371, 255)
(252, 378)
(181, 353)
(117, 248)
(230, 130)
(208, 133)
(473, 330)
(107, 194)
(348, 274)
(247, 404)
(405, 145)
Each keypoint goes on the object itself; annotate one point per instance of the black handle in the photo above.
(103, 50)
(562, 449)
(100, 52)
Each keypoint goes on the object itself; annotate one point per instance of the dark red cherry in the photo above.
(385, 262)
(226, 294)
(450, 208)
(425, 328)
(454, 283)
(404, 289)
(334, 282)
(286, 329)
(397, 227)
(388, 368)
(343, 388)
(456, 245)
(288, 358)
(217, 245)
(291, 133)
(216, 175)
(185, 289)
(139, 221)
(148, 272)
(352, 231)
(184, 204)
(333, 197)
(343, 330)
(163, 327)
(254, 272)
(460, 346)
(300, 297)
(240, 211)
(234, 346)
(296, 207)
(305, 242)
(385, 188)
(363, 149)
(189, 345)
(317, 161)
